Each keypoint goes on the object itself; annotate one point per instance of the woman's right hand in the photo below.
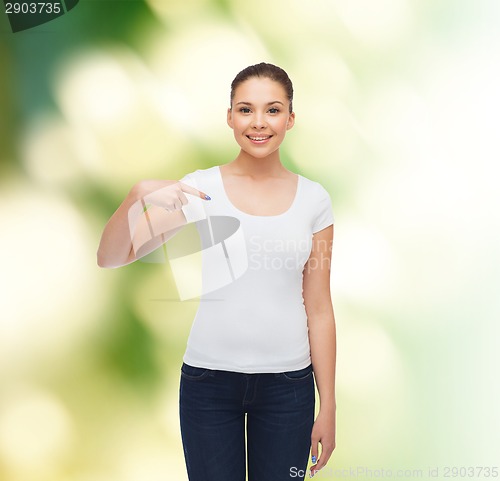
(129, 229)
(168, 194)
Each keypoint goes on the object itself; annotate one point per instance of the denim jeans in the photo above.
(279, 413)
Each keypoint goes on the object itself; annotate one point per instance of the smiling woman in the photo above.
(275, 326)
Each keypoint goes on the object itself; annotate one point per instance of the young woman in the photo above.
(252, 350)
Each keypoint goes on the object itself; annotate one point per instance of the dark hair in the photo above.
(264, 70)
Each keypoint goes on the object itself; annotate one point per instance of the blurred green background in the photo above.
(397, 116)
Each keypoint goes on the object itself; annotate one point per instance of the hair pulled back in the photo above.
(264, 70)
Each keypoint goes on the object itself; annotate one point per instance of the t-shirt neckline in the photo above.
(292, 205)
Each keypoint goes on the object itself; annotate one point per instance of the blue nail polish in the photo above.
(313, 459)
(207, 197)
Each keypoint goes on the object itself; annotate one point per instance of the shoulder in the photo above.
(201, 174)
(314, 189)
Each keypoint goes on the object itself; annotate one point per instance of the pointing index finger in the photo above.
(191, 190)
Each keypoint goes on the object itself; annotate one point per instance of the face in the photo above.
(260, 116)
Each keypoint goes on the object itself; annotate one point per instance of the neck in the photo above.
(269, 166)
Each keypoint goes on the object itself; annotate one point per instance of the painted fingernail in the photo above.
(313, 459)
(207, 197)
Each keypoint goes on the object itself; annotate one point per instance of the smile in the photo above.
(259, 138)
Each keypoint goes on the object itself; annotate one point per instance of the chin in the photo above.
(259, 155)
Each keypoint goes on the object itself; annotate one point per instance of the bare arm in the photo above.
(161, 218)
(322, 339)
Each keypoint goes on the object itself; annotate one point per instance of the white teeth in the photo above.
(258, 138)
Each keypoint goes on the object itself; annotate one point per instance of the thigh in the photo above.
(212, 426)
(279, 426)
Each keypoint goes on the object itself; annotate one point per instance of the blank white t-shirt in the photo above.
(257, 323)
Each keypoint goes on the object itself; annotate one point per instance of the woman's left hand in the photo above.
(323, 432)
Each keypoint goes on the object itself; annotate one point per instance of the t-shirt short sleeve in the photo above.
(324, 212)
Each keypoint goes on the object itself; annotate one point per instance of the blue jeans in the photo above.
(279, 412)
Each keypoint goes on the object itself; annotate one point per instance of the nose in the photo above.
(258, 122)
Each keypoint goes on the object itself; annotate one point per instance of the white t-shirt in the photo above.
(257, 322)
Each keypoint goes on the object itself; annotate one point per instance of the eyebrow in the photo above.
(269, 103)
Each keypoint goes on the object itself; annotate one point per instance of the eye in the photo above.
(274, 110)
(245, 110)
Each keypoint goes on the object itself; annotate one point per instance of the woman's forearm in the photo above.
(116, 245)
(121, 245)
(323, 343)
